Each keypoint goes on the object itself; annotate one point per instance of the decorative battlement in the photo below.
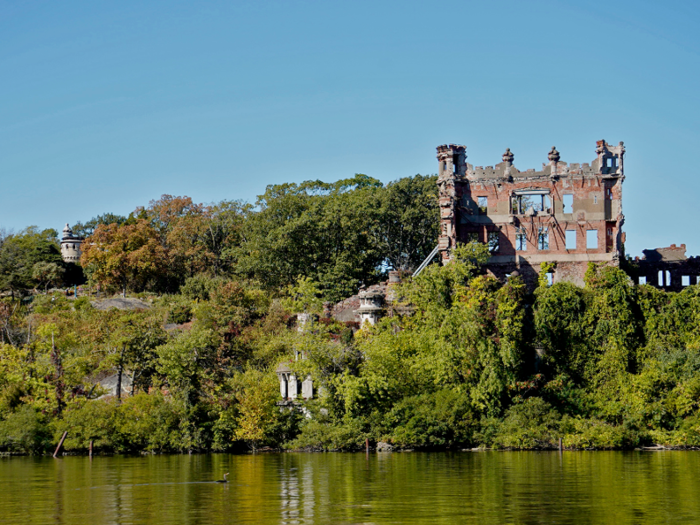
(609, 162)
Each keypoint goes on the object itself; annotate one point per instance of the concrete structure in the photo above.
(371, 306)
(70, 246)
(567, 214)
(667, 268)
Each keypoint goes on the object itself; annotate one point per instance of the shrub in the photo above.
(532, 424)
(88, 420)
(25, 431)
(442, 419)
(579, 433)
(147, 422)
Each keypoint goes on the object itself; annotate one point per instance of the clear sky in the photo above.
(107, 105)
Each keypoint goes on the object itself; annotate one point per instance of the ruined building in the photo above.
(566, 214)
(667, 268)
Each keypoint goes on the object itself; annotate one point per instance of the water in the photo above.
(434, 488)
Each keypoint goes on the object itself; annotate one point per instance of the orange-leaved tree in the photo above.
(125, 256)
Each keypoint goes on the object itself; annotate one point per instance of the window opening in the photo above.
(592, 239)
(520, 239)
(493, 241)
(483, 204)
(543, 239)
(595, 199)
(550, 278)
(668, 278)
(642, 279)
(685, 280)
(661, 278)
(608, 194)
(472, 237)
(521, 203)
(570, 239)
(568, 201)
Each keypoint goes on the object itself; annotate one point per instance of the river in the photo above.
(338, 488)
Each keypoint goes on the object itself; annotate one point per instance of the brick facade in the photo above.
(567, 214)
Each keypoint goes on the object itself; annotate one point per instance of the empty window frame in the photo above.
(685, 280)
(570, 239)
(550, 278)
(520, 239)
(568, 203)
(642, 279)
(543, 239)
(536, 200)
(664, 278)
(472, 237)
(493, 241)
(483, 203)
(591, 239)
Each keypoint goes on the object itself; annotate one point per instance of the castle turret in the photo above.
(70, 246)
(452, 161)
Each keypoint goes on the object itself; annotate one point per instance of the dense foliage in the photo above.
(461, 359)
(340, 235)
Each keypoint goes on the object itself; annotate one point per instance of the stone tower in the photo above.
(70, 246)
(452, 161)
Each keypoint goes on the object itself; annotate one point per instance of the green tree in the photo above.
(409, 221)
(88, 228)
(324, 231)
(20, 252)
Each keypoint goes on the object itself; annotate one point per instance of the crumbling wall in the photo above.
(666, 268)
(570, 214)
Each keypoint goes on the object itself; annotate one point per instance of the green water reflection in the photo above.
(436, 488)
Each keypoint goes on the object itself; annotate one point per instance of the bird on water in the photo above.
(223, 480)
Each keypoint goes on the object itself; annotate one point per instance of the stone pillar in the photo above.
(283, 374)
(292, 387)
(307, 388)
(452, 169)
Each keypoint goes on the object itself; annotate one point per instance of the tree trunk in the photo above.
(119, 375)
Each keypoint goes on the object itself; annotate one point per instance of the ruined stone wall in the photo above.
(667, 268)
(526, 217)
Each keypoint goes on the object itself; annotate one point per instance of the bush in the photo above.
(579, 433)
(147, 422)
(532, 424)
(88, 420)
(321, 434)
(442, 419)
(180, 314)
(82, 303)
(200, 287)
(25, 431)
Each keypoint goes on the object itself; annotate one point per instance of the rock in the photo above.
(120, 303)
(383, 446)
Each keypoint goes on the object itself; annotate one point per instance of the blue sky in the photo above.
(107, 105)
